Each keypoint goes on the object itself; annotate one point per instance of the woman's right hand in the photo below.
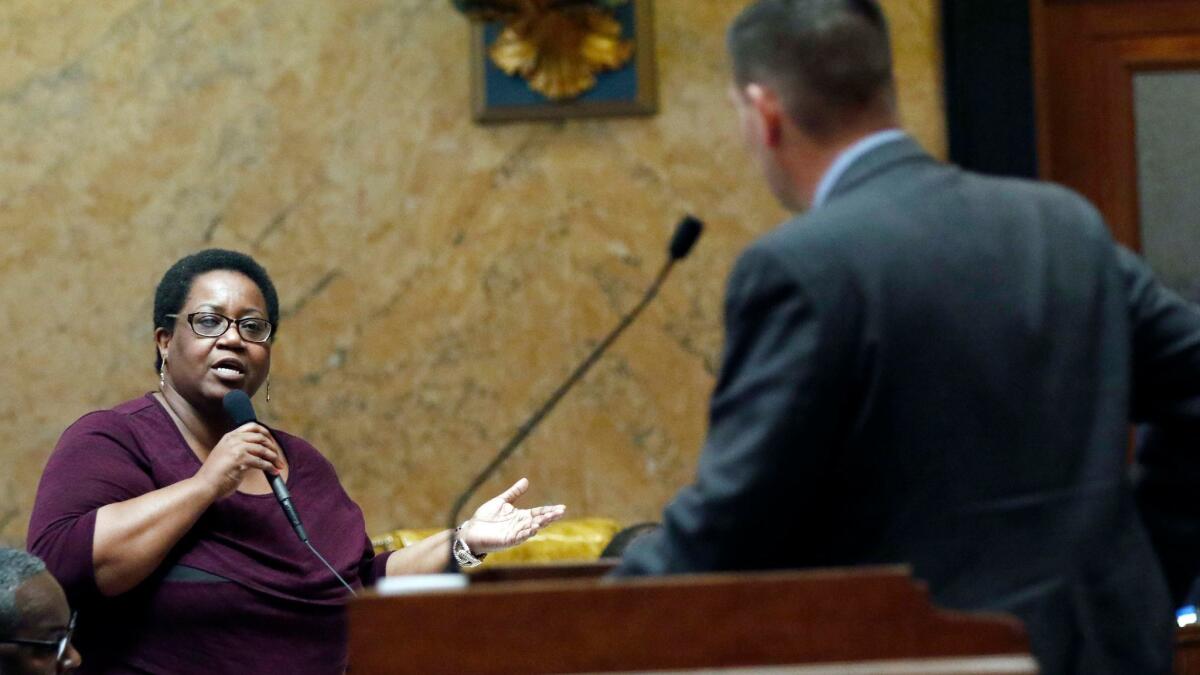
(248, 447)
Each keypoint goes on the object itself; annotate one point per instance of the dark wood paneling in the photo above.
(1187, 651)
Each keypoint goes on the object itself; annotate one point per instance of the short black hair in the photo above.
(829, 60)
(176, 283)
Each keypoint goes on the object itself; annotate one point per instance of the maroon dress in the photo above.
(238, 594)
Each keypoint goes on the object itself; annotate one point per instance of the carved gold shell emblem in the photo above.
(557, 46)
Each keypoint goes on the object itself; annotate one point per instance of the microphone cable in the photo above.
(241, 411)
(330, 567)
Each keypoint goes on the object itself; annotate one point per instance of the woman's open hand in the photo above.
(498, 524)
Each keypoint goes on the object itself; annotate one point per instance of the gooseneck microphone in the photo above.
(241, 411)
(686, 233)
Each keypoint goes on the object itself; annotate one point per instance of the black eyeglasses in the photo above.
(61, 644)
(211, 325)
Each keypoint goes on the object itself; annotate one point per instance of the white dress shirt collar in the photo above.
(848, 157)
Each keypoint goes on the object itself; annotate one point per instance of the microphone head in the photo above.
(686, 233)
(238, 407)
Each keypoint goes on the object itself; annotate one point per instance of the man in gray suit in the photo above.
(929, 366)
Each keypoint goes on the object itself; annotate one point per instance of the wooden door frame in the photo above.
(1086, 53)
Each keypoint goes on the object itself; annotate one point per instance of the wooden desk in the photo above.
(848, 621)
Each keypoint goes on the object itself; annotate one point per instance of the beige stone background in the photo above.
(438, 278)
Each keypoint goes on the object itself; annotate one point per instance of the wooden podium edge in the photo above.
(673, 623)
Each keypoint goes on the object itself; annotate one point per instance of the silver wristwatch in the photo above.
(463, 555)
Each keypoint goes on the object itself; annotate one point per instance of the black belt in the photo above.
(191, 575)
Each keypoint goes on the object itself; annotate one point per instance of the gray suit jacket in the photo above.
(939, 368)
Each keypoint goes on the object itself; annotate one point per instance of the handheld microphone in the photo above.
(686, 233)
(241, 411)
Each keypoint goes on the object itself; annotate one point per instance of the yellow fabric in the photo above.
(572, 539)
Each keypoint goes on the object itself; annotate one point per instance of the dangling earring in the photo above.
(268, 389)
(162, 378)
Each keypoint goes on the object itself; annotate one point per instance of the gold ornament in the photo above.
(558, 47)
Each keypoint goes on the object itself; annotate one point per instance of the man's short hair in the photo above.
(830, 61)
(16, 567)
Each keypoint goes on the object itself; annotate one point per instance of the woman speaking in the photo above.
(157, 517)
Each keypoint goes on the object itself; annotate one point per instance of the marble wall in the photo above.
(438, 278)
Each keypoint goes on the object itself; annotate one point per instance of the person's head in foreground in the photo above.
(35, 621)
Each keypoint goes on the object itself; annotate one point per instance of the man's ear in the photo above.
(766, 106)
